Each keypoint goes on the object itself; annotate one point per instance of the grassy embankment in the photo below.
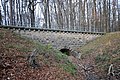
(14, 46)
(103, 52)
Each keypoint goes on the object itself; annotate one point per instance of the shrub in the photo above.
(102, 58)
(69, 67)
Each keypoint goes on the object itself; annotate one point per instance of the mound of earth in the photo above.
(14, 60)
(104, 56)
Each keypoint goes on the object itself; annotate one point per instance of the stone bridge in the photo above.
(59, 39)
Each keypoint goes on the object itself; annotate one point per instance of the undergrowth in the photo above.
(46, 52)
(101, 41)
(59, 57)
(104, 51)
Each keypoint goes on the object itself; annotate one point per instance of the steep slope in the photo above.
(104, 55)
(15, 63)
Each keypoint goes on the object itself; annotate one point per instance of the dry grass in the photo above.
(103, 41)
(14, 51)
(103, 52)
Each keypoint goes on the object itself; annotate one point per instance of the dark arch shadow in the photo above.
(65, 51)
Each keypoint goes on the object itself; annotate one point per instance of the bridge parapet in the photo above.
(51, 30)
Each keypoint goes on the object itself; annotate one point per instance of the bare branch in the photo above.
(110, 70)
(38, 2)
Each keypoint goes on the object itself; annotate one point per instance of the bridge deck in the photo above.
(54, 30)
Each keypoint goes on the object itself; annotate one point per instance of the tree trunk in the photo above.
(56, 15)
(60, 15)
(118, 16)
(49, 21)
(109, 20)
(101, 28)
(0, 16)
(114, 16)
(45, 13)
(11, 15)
(87, 18)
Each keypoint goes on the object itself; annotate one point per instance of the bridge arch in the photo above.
(66, 51)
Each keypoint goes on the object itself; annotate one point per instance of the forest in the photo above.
(59, 39)
(79, 15)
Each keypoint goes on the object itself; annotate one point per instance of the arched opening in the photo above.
(65, 51)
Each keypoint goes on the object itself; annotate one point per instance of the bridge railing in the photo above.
(50, 29)
(57, 27)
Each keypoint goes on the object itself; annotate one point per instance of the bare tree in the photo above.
(118, 9)
(81, 15)
(0, 16)
(114, 15)
(11, 11)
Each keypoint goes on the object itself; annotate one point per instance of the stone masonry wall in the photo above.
(59, 40)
